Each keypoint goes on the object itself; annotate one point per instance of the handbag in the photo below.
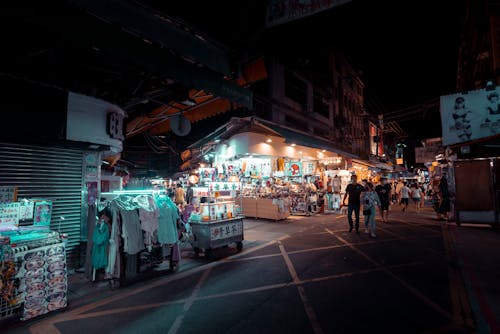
(367, 212)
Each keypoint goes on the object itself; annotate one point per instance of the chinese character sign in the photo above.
(231, 229)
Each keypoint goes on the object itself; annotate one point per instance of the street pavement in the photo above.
(307, 275)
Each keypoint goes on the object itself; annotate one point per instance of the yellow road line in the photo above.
(462, 313)
(413, 290)
(189, 302)
(313, 319)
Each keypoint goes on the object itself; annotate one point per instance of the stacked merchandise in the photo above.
(33, 275)
(43, 280)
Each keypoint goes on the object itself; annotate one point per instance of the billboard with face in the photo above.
(470, 116)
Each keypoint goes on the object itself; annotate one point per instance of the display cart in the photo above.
(208, 236)
(218, 207)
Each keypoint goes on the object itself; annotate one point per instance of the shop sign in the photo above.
(283, 11)
(231, 229)
(207, 174)
(217, 186)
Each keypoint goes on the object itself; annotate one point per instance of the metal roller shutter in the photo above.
(51, 173)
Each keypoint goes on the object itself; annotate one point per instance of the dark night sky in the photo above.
(406, 51)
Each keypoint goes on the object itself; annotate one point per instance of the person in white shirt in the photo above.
(416, 196)
(404, 194)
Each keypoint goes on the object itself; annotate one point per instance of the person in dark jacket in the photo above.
(353, 190)
(444, 195)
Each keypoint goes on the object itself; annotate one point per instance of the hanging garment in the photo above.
(281, 164)
(148, 214)
(113, 267)
(91, 225)
(133, 241)
(100, 246)
(167, 223)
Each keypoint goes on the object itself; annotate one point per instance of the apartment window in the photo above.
(296, 89)
(321, 105)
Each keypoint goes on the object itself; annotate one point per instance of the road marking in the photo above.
(462, 313)
(126, 309)
(413, 290)
(47, 326)
(189, 302)
(227, 294)
(313, 319)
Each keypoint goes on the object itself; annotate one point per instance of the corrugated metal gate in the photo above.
(51, 173)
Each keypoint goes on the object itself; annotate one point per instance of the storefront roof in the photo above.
(306, 139)
(257, 125)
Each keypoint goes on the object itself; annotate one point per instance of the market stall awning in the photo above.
(203, 103)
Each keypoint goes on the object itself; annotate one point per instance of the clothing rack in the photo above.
(129, 265)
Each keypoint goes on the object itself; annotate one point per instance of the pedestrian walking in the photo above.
(444, 195)
(416, 196)
(404, 194)
(370, 201)
(179, 194)
(384, 191)
(353, 190)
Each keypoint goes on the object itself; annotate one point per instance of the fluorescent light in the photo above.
(138, 191)
(269, 140)
(293, 144)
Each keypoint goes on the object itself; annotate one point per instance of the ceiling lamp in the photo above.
(193, 179)
(234, 178)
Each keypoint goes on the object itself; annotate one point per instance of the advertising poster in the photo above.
(42, 213)
(470, 116)
(293, 168)
(26, 209)
(8, 194)
(9, 216)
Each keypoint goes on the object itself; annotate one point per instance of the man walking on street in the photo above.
(354, 190)
(384, 193)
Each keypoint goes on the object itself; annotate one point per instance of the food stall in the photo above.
(217, 220)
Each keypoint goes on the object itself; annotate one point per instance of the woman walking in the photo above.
(370, 202)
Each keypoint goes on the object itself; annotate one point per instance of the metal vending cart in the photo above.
(217, 221)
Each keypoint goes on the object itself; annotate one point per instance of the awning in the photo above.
(374, 165)
(254, 124)
(206, 103)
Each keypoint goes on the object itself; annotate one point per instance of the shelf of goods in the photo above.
(33, 278)
(217, 220)
(266, 208)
